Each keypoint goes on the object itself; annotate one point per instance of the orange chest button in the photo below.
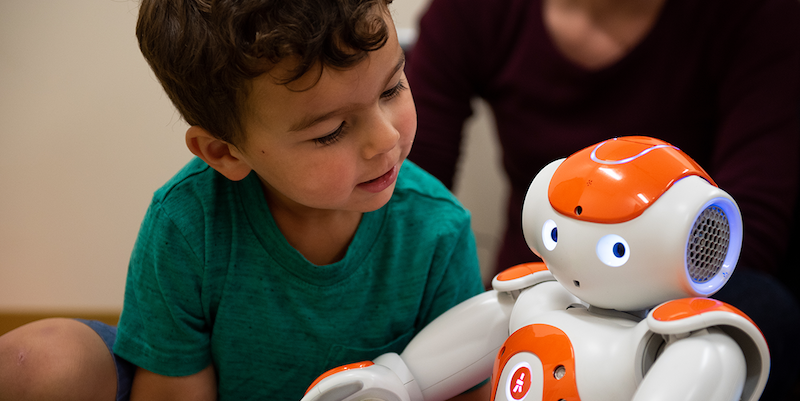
(553, 348)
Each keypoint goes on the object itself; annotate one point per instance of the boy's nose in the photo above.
(380, 138)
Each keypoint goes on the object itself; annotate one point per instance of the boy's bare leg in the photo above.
(56, 359)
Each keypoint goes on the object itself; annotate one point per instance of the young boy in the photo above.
(298, 240)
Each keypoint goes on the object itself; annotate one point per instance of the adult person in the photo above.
(719, 79)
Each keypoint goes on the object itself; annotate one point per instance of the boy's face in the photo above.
(338, 145)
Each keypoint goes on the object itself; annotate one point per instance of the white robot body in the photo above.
(602, 359)
(634, 235)
(699, 349)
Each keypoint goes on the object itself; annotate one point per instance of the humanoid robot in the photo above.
(634, 236)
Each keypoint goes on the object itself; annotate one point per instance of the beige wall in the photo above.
(87, 135)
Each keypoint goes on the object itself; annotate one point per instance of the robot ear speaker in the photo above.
(713, 245)
(708, 245)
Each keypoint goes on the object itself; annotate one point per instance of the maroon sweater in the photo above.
(719, 79)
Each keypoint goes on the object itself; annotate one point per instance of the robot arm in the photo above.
(699, 317)
(707, 365)
(456, 351)
(452, 354)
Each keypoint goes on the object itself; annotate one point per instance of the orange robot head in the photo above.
(616, 180)
(632, 222)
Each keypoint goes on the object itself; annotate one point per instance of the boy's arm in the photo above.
(149, 386)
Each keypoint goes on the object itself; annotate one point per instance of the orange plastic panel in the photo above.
(553, 348)
(521, 270)
(357, 365)
(687, 307)
(616, 180)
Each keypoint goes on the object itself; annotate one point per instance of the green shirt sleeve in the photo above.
(163, 328)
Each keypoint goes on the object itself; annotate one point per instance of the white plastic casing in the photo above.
(457, 350)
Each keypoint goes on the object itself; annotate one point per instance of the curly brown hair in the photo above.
(206, 52)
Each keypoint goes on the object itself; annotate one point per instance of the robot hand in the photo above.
(386, 378)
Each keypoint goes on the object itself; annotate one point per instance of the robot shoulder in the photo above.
(683, 316)
(522, 276)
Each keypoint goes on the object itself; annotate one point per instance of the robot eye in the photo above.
(613, 250)
(550, 235)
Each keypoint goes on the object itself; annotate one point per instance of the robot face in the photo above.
(611, 249)
(685, 242)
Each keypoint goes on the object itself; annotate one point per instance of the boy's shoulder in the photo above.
(419, 189)
(196, 182)
(414, 180)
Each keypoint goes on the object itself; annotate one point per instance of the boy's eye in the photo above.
(391, 93)
(332, 137)
(337, 134)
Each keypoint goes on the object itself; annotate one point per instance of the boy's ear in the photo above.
(218, 154)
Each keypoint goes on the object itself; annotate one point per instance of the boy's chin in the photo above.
(378, 200)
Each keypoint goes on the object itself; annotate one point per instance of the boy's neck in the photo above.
(321, 236)
(320, 241)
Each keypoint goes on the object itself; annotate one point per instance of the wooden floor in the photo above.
(11, 320)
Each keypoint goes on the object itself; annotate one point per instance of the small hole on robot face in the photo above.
(578, 210)
(576, 283)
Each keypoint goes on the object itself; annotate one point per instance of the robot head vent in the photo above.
(708, 244)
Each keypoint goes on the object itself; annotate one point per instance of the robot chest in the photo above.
(569, 359)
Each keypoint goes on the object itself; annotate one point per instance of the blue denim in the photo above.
(125, 370)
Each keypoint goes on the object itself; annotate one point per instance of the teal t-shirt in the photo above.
(212, 280)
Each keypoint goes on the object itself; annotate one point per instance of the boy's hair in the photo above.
(206, 52)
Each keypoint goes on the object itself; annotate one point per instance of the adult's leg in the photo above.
(56, 359)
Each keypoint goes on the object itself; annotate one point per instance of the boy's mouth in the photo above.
(379, 184)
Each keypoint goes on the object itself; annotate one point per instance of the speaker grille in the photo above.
(708, 244)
